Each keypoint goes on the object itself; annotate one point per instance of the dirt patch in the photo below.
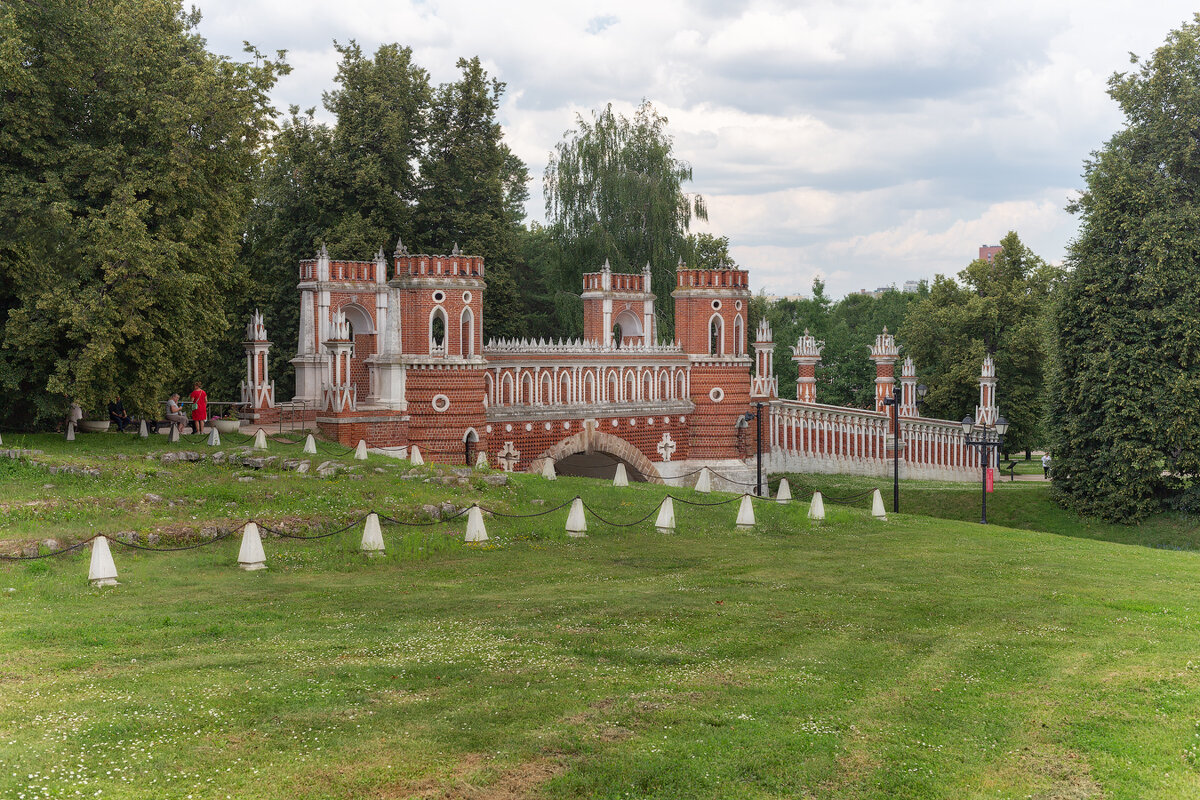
(474, 778)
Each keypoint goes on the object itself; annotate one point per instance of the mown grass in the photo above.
(917, 658)
(1019, 504)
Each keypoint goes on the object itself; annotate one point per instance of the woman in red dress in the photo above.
(200, 411)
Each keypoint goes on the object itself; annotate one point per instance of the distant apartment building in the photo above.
(912, 287)
(987, 252)
(775, 298)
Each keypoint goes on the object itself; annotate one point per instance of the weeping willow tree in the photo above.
(614, 191)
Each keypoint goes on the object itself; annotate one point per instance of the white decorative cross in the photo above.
(508, 457)
(666, 447)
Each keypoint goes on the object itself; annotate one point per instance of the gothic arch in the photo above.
(592, 441)
(359, 318)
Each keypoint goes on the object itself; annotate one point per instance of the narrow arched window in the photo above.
(437, 333)
(547, 397)
(616, 335)
(716, 336)
(526, 389)
(738, 336)
(466, 334)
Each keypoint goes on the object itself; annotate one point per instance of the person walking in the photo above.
(200, 407)
(1046, 466)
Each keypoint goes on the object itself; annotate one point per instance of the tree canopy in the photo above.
(614, 191)
(126, 152)
(996, 308)
(1126, 324)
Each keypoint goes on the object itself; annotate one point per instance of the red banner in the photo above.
(991, 479)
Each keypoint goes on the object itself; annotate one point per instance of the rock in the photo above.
(129, 537)
(169, 458)
(122, 457)
(95, 473)
(209, 533)
(464, 472)
(380, 469)
(152, 498)
(431, 511)
(50, 544)
(30, 550)
(152, 539)
(245, 479)
(496, 479)
(219, 457)
(538, 502)
(448, 509)
(47, 485)
(297, 465)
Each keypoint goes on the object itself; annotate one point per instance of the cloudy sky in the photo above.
(865, 142)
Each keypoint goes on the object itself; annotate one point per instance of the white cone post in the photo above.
(414, 457)
(70, 431)
(260, 439)
(816, 509)
(548, 470)
(372, 539)
(481, 461)
(576, 522)
(251, 555)
(310, 445)
(745, 517)
(360, 452)
(214, 438)
(877, 510)
(666, 516)
(173, 436)
(102, 571)
(475, 530)
(622, 477)
(704, 482)
(784, 495)
(143, 431)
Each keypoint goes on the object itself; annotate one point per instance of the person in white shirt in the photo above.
(175, 412)
(1046, 466)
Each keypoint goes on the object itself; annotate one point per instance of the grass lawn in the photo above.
(917, 658)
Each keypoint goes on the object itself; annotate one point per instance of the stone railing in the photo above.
(504, 347)
(807, 437)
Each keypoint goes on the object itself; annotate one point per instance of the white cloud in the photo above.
(867, 141)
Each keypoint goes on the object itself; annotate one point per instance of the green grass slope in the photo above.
(914, 658)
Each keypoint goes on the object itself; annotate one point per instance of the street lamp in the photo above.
(991, 437)
(757, 417)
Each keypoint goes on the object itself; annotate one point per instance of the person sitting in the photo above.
(175, 413)
(116, 414)
(200, 407)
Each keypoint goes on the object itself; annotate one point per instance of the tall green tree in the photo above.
(474, 190)
(996, 308)
(1126, 375)
(614, 191)
(126, 153)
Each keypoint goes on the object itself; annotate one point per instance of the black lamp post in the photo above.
(894, 402)
(990, 437)
(757, 417)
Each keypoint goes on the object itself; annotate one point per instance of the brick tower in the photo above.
(711, 307)
(618, 302)
(807, 354)
(884, 354)
(438, 304)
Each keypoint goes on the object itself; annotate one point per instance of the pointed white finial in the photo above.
(548, 470)
(877, 510)
(622, 477)
(666, 516)
(143, 431)
(816, 509)
(784, 495)
(372, 538)
(401, 250)
(103, 570)
(745, 517)
(250, 555)
(476, 532)
(214, 438)
(260, 439)
(310, 445)
(414, 456)
(576, 522)
(360, 452)
(704, 482)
